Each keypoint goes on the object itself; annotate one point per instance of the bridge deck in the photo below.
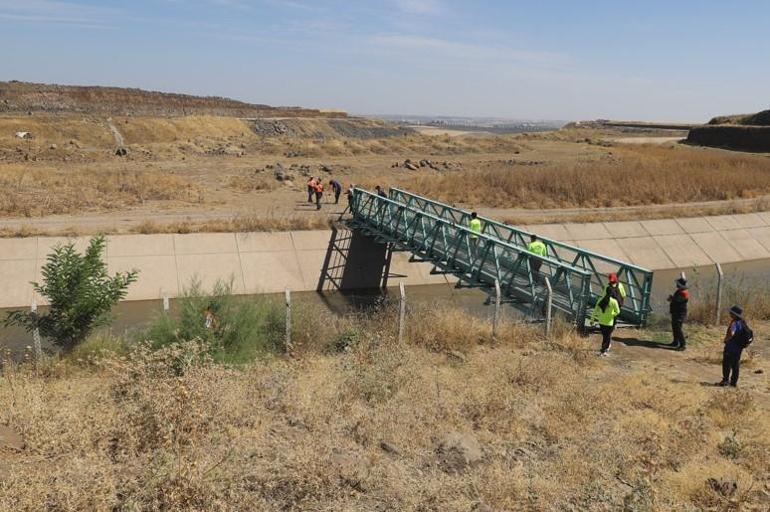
(476, 260)
(636, 280)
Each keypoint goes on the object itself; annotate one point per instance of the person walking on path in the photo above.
(319, 192)
(337, 189)
(678, 309)
(311, 183)
(474, 224)
(738, 337)
(605, 312)
(537, 247)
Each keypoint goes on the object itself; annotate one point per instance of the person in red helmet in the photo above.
(613, 283)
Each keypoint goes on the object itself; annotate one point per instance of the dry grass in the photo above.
(752, 297)
(627, 176)
(242, 224)
(363, 430)
(36, 191)
(760, 204)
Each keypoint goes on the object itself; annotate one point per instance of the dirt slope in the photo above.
(31, 97)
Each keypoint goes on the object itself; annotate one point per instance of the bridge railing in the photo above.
(477, 260)
(636, 280)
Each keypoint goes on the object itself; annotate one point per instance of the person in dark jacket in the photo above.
(678, 309)
(337, 189)
(735, 340)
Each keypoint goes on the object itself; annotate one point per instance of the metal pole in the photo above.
(720, 275)
(401, 312)
(549, 308)
(287, 340)
(496, 317)
(36, 335)
(164, 296)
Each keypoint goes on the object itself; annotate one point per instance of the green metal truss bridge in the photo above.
(438, 233)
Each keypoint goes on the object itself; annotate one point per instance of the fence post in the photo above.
(720, 275)
(36, 336)
(164, 297)
(548, 308)
(496, 317)
(287, 340)
(401, 312)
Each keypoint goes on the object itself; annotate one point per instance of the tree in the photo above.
(80, 292)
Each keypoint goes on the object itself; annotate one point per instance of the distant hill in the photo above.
(23, 97)
(758, 119)
(745, 132)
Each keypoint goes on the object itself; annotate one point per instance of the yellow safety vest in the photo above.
(621, 290)
(475, 225)
(537, 247)
(607, 317)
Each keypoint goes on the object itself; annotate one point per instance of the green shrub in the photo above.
(80, 292)
(241, 328)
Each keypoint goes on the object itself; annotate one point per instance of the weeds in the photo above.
(363, 428)
(30, 192)
(629, 176)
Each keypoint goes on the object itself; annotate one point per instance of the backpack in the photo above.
(744, 337)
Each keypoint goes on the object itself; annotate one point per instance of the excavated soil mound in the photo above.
(743, 138)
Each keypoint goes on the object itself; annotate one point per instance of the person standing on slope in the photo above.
(738, 337)
(678, 309)
(605, 312)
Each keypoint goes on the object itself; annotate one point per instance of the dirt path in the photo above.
(290, 203)
(700, 365)
(115, 133)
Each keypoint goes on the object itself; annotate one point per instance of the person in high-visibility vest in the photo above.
(605, 313)
(475, 226)
(311, 183)
(319, 192)
(537, 247)
(614, 282)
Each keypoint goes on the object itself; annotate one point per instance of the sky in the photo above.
(672, 60)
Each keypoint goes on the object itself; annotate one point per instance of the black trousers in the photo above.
(337, 196)
(731, 364)
(606, 336)
(310, 192)
(318, 196)
(676, 329)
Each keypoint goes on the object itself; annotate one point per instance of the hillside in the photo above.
(24, 97)
(758, 119)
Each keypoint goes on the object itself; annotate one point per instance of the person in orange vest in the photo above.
(319, 192)
(311, 183)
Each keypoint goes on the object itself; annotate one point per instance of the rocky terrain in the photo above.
(24, 97)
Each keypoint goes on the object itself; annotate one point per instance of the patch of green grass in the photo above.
(235, 329)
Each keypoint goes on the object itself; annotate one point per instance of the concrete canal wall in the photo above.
(312, 260)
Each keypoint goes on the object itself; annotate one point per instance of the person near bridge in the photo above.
(605, 312)
(319, 193)
(337, 189)
(538, 248)
(678, 310)
(474, 224)
(311, 183)
(738, 337)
